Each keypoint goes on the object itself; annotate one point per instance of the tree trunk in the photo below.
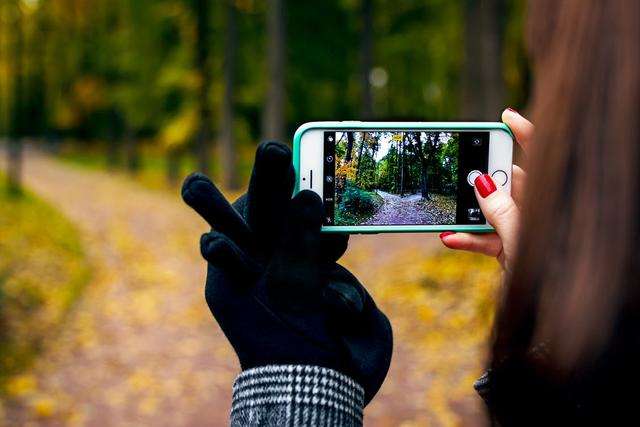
(14, 167)
(349, 152)
(112, 141)
(131, 153)
(173, 167)
(491, 39)
(273, 122)
(203, 139)
(401, 155)
(347, 159)
(424, 155)
(367, 58)
(227, 146)
(483, 87)
(112, 153)
(360, 152)
(424, 184)
(18, 119)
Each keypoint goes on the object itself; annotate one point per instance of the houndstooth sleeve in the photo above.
(296, 395)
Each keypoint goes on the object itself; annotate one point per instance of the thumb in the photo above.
(344, 297)
(500, 210)
(363, 330)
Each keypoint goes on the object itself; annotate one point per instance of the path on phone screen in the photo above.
(141, 348)
(411, 209)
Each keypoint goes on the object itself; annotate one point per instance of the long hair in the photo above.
(576, 273)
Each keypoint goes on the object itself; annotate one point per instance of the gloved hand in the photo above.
(273, 283)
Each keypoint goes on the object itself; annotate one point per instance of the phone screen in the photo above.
(403, 177)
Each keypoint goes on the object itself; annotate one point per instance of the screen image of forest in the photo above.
(395, 178)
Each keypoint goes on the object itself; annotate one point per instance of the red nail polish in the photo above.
(485, 185)
(446, 233)
(512, 110)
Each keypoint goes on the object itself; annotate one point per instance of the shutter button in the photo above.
(471, 178)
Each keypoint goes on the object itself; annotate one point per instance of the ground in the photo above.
(141, 348)
(413, 209)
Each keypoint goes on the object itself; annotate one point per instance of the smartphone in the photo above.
(391, 177)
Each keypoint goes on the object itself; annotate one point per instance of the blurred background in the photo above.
(105, 106)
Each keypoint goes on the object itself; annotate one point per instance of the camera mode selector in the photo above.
(500, 177)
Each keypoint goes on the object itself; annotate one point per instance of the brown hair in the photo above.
(577, 264)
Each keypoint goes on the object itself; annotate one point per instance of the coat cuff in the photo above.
(296, 395)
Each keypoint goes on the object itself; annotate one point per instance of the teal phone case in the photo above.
(356, 125)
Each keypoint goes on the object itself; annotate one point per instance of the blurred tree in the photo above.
(323, 61)
(227, 140)
(17, 125)
(139, 77)
(418, 60)
(203, 66)
(515, 63)
(273, 121)
(367, 58)
(136, 95)
(483, 86)
(34, 30)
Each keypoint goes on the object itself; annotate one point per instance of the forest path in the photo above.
(140, 347)
(401, 210)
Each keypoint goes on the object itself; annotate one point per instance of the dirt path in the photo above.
(401, 210)
(141, 347)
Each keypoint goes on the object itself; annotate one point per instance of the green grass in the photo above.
(43, 269)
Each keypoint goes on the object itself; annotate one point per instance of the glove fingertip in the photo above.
(306, 208)
(211, 246)
(190, 184)
(273, 153)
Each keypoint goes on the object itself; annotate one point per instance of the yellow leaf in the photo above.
(43, 406)
(21, 385)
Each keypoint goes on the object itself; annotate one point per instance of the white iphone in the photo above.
(385, 177)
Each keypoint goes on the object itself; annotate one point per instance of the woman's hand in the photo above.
(501, 209)
(273, 283)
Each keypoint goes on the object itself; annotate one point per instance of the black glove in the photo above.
(273, 283)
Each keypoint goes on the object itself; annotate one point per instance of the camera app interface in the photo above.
(403, 177)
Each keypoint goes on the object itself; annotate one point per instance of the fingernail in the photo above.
(446, 233)
(512, 110)
(485, 185)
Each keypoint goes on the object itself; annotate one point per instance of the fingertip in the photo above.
(509, 114)
(457, 241)
(521, 127)
(306, 208)
(273, 153)
(445, 234)
(449, 238)
(192, 184)
(272, 182)
(213, 246)
(484, 185)
(273, 174)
